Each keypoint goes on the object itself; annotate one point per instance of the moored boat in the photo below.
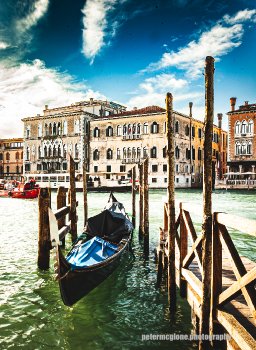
(95, 255)
(29, 190)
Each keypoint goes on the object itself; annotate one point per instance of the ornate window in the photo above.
(138, 129)
(54, 129)
(109, 131)
(129, 152)
(119, 130)
(133, 152)
(124, 129)
(145, 152)
(154, 128)
(153, 152)
(124, 153)
(138, 152)
(145, 128)
(39, 130)
(250, 127)
(109, 153)
(244, 127)
(96, 155)
(96, 132)
(237, 127)
(249, 147)
(118, 153)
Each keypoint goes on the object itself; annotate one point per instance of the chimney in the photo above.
(232, 103)
(91, 100)
(246, 103)
(135, 108)
(190, 109)
(46, 107)
(220, 115)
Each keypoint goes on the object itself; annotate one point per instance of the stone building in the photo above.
(242, 138)
(122, 140)
(48, 138)
(11, 159)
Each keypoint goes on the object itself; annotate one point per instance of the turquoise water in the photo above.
(120, 310)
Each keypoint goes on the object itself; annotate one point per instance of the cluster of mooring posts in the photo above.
(218, 284)
(64, 226)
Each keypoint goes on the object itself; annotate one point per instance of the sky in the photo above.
(58, 52)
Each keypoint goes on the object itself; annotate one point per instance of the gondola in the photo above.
(96, 254)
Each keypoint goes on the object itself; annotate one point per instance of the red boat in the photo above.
(28, 190)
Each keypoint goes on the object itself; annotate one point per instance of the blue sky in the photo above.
(58, 52)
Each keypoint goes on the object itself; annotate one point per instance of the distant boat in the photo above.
(96, 255)
(29, 190)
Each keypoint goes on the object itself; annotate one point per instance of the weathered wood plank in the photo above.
(191, 254)
(236, 330)
(193, 281)
(64, 230)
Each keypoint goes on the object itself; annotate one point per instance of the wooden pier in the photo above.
(233, 278)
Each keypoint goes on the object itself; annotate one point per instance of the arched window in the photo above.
(17, 169)
(176, 127)
(187, 130)
(138, 152)
(238, 148)
(21, 155)
(118, 154)
(249, 147)
(59, 128)
(65, 127)
(244, 127)
(96, 155)
(199, 154)
(129, 129)
(54, 129)
(153, 152)
(45, 151)
(7, 156)
(8, 169)
(177, 152)
(96, 132)
(50, 129)
(49, 151)
(59, 151)
(119, 130)
(237, 127)
(129, 152)
(145, 128)
(138, 129)
(65, 151)
(76, 151)
(124, 129)
(54, 152)
(145, 152)
(124, 153)
(109, 153)
(17, 156)
(39, 152)
(243, 148)
(250, 127)
(28, 132)
(1, 156)
(133, 152)
(109, 131)
(164, 127)
(39, 130)
(154, 128)
(46, 130)
(28, 153)
(164, 151)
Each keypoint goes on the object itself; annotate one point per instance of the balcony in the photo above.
(132, 160)
(132, 137)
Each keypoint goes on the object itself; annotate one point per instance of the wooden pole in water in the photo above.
(134, 196)
(61, 202)
(171, 204)
(183, 252)
(207, 204)
(145, 195)
(141, 225)
(44, 242)
(85, 195)
(146, 209)
(72, 182)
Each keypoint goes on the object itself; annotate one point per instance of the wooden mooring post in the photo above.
(72, 215)
(44, 242)
(207, 204)
(61, 202)
(171, 204)
(146, 207)
(141, 204)
(85, 195)
(134, 196)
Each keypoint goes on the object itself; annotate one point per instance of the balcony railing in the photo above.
(132, 137)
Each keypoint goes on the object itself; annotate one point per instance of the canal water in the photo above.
(118, 312)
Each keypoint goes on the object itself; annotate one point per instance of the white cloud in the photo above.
(217, 42)
(38, 10)
(241, 16)
(3, 45)
(153, 91)
(96, 26)
(26, 88)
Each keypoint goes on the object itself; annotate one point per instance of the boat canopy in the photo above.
(110, 224)
(90, 253)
